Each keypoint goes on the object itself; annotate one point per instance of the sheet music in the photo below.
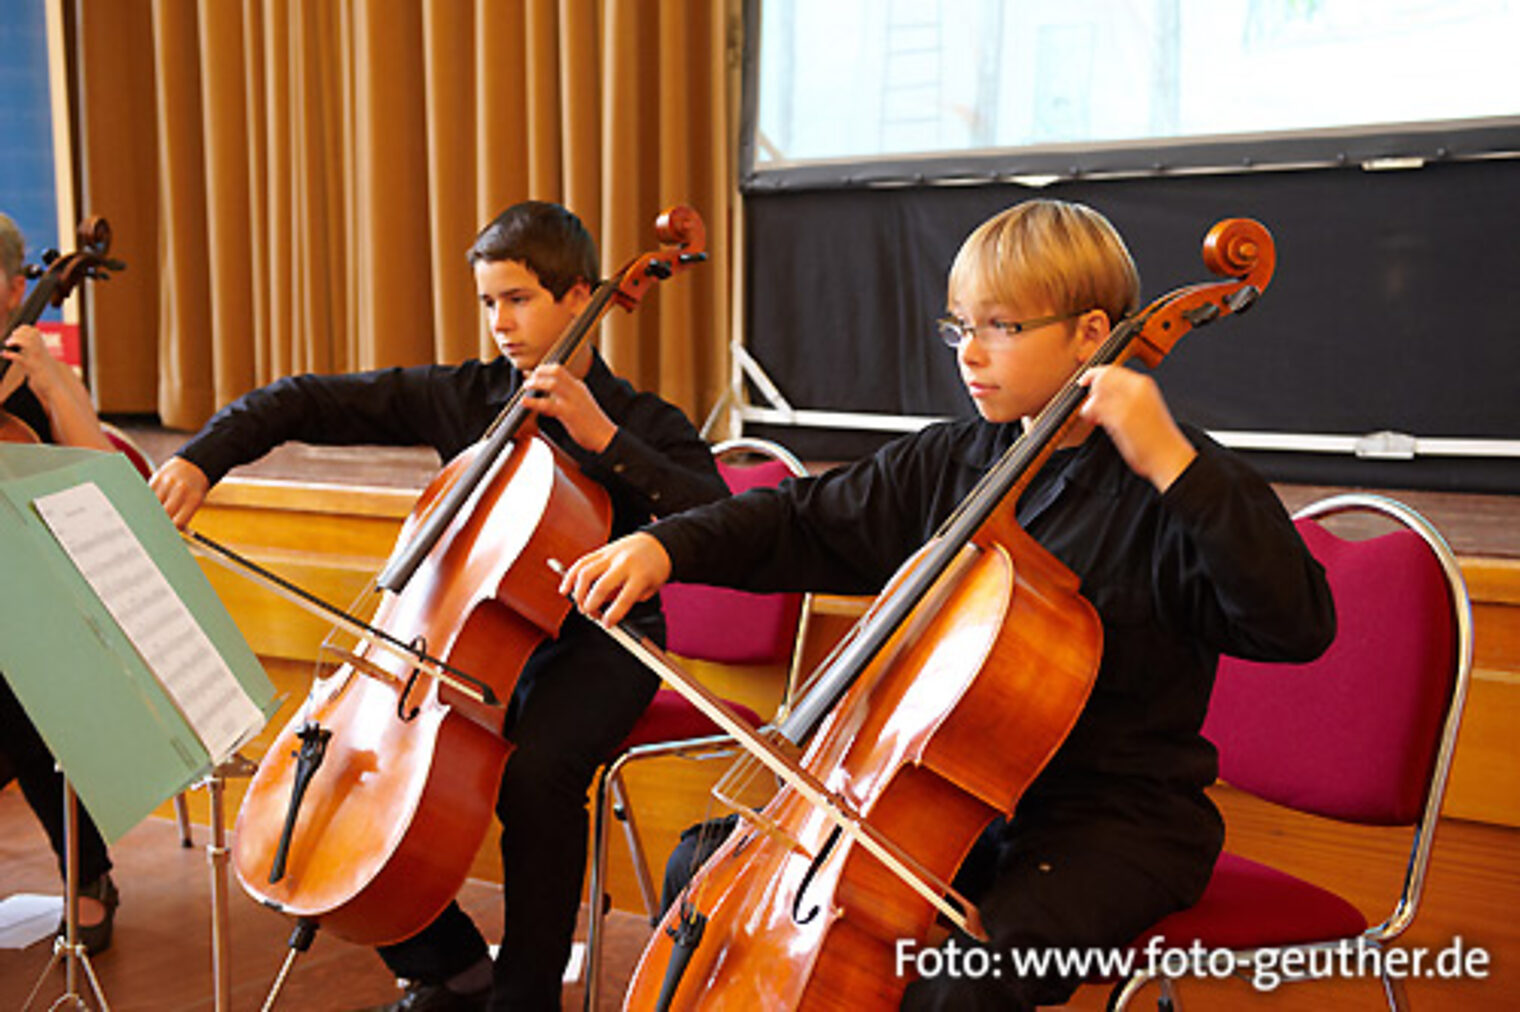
(166, 635)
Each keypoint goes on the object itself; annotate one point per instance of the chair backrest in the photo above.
(731, 626)
(1365, 733)
(125, 445)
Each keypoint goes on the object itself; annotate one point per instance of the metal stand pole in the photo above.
(69, 948)
(217, 857)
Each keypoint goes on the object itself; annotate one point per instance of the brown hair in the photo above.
(548, 239)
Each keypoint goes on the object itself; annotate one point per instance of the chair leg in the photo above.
(1393, 990)
(596, 893)
(1124, 992)
(182, 817)
(624, 813)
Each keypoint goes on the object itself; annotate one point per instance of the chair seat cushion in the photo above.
(1248, 905)
(669, 717)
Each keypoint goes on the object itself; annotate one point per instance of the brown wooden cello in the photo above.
(58, 277)
(981, 638)
(372, 801)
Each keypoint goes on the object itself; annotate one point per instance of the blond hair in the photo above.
(1059, 256)
(12, 248)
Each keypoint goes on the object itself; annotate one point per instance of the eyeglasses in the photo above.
(955, 332)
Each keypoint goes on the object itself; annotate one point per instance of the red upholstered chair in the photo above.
(1365, 735)
(128, 448)
(712, 624)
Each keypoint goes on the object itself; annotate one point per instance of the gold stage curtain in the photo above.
(294, 184)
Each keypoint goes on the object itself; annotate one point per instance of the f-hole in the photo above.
(418, 646)
(823, 855)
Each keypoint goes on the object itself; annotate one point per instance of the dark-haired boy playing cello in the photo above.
(578, 695)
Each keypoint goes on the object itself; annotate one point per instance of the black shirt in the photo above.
(656, 463)
(24, 405)
(1213, 565)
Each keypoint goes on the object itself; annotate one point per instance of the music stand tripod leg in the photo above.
(69, 948)
(217, 857)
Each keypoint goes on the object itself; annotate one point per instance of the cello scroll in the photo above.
(1238, 248)
(679, 226)
(61, 274)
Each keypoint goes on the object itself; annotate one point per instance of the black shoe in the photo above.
(436, 998)
(96, 938)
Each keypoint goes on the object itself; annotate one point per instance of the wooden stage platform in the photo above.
(1484, 525)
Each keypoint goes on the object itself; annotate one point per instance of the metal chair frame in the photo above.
(1424, 832)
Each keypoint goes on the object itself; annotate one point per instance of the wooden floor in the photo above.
(161, 956)
(160, 959)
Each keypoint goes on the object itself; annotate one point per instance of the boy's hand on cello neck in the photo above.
(1130, 408)
(555, 391)
(606, 583)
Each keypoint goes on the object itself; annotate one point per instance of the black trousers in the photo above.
(1072, 880)
(42, 785)
(576, 701)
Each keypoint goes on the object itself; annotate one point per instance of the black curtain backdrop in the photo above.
(1389, 309)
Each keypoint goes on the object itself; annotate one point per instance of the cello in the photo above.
(55, 280)
(981, 636)
(371, 802)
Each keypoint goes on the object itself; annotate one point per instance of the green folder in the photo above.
(108, 718)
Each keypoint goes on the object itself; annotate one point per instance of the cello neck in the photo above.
(571, 341)
(29, 311)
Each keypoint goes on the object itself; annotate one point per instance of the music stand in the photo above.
(114, 609)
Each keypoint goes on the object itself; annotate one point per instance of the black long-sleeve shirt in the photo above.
(656, 464)
(24, 405)
(1213, 565)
